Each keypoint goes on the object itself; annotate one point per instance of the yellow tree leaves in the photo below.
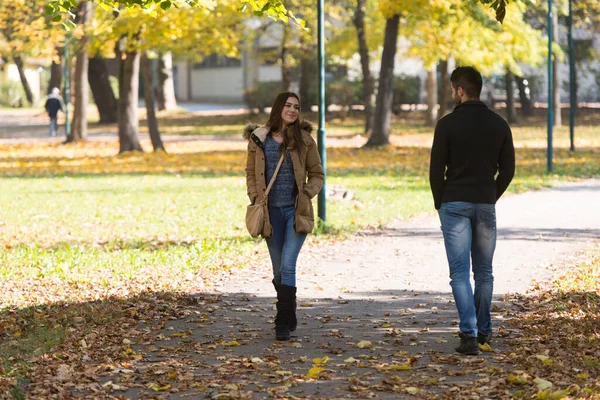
(24, 30)
(468, 33)
(186, 31)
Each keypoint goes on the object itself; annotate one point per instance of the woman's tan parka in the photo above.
(308, 166)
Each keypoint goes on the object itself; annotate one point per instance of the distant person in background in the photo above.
(54, 103)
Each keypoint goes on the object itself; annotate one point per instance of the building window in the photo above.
(218, 61)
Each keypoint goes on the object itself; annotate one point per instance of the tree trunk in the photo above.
(445, 91)
(80, 84)
(104, 96)
(286, 69)
(308, 79)
(432, 96)
(511, 111)
(524, 97)
(56, 72)
(157, 143)
(385, 93)
(555, 77)
(166, 88)
(19, 63)
(363, 51)
(129, 73)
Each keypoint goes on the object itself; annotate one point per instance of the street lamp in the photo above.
(67, 87)
(550, 93)
(321, 130)
(572, 88)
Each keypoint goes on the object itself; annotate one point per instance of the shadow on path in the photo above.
(535, 234)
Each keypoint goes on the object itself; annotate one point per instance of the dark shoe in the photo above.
(292, 321)
(484, 337)
(282, 331)
(285, 311)
(468, 345)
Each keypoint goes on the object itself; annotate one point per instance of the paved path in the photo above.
(387, 287)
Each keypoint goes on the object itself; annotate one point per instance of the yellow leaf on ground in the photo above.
(158, 388)
(486, 347)
(364, 344)
(320, 360)
(412, 390)
(314, 372)
(232, 343)
(548, 395)
(404, 367)
(517, 379)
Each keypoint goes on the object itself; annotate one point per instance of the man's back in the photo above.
(470, 146)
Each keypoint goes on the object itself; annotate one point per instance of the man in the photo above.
(54, 103)
(470, 146)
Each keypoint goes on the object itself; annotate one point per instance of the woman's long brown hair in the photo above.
(292, 137)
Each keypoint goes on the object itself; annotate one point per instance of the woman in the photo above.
(289, 200)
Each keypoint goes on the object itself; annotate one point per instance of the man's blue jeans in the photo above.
(284, 245)
(470, 234)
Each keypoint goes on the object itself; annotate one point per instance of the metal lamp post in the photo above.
(572, 88)
(550, 93)
(67, 88)
(321, 130)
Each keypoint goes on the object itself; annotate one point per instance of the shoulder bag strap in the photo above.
(274, 176)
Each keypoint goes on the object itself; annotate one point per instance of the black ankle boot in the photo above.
(292, 320)
(468, 345)
(282, 330)
(285, 311)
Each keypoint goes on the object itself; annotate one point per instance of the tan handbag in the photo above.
(257, 215)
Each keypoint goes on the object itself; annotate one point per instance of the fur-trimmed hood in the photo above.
(261, 132)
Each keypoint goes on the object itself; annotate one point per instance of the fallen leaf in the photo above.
(542, 384)
(314, 372)
(158, 388)
(412, 390)
(486, 347)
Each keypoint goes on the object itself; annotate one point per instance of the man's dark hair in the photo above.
(469, 79)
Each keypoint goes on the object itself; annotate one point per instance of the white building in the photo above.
(33, 71)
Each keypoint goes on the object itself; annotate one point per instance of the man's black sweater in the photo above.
(470, 145)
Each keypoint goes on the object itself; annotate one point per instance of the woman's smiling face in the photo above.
(290, 111)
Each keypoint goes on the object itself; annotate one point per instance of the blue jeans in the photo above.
(53, 125)
(470, 234)
(284, 245)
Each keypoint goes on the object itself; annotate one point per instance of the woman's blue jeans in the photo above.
(284, 245)
(470, 235)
